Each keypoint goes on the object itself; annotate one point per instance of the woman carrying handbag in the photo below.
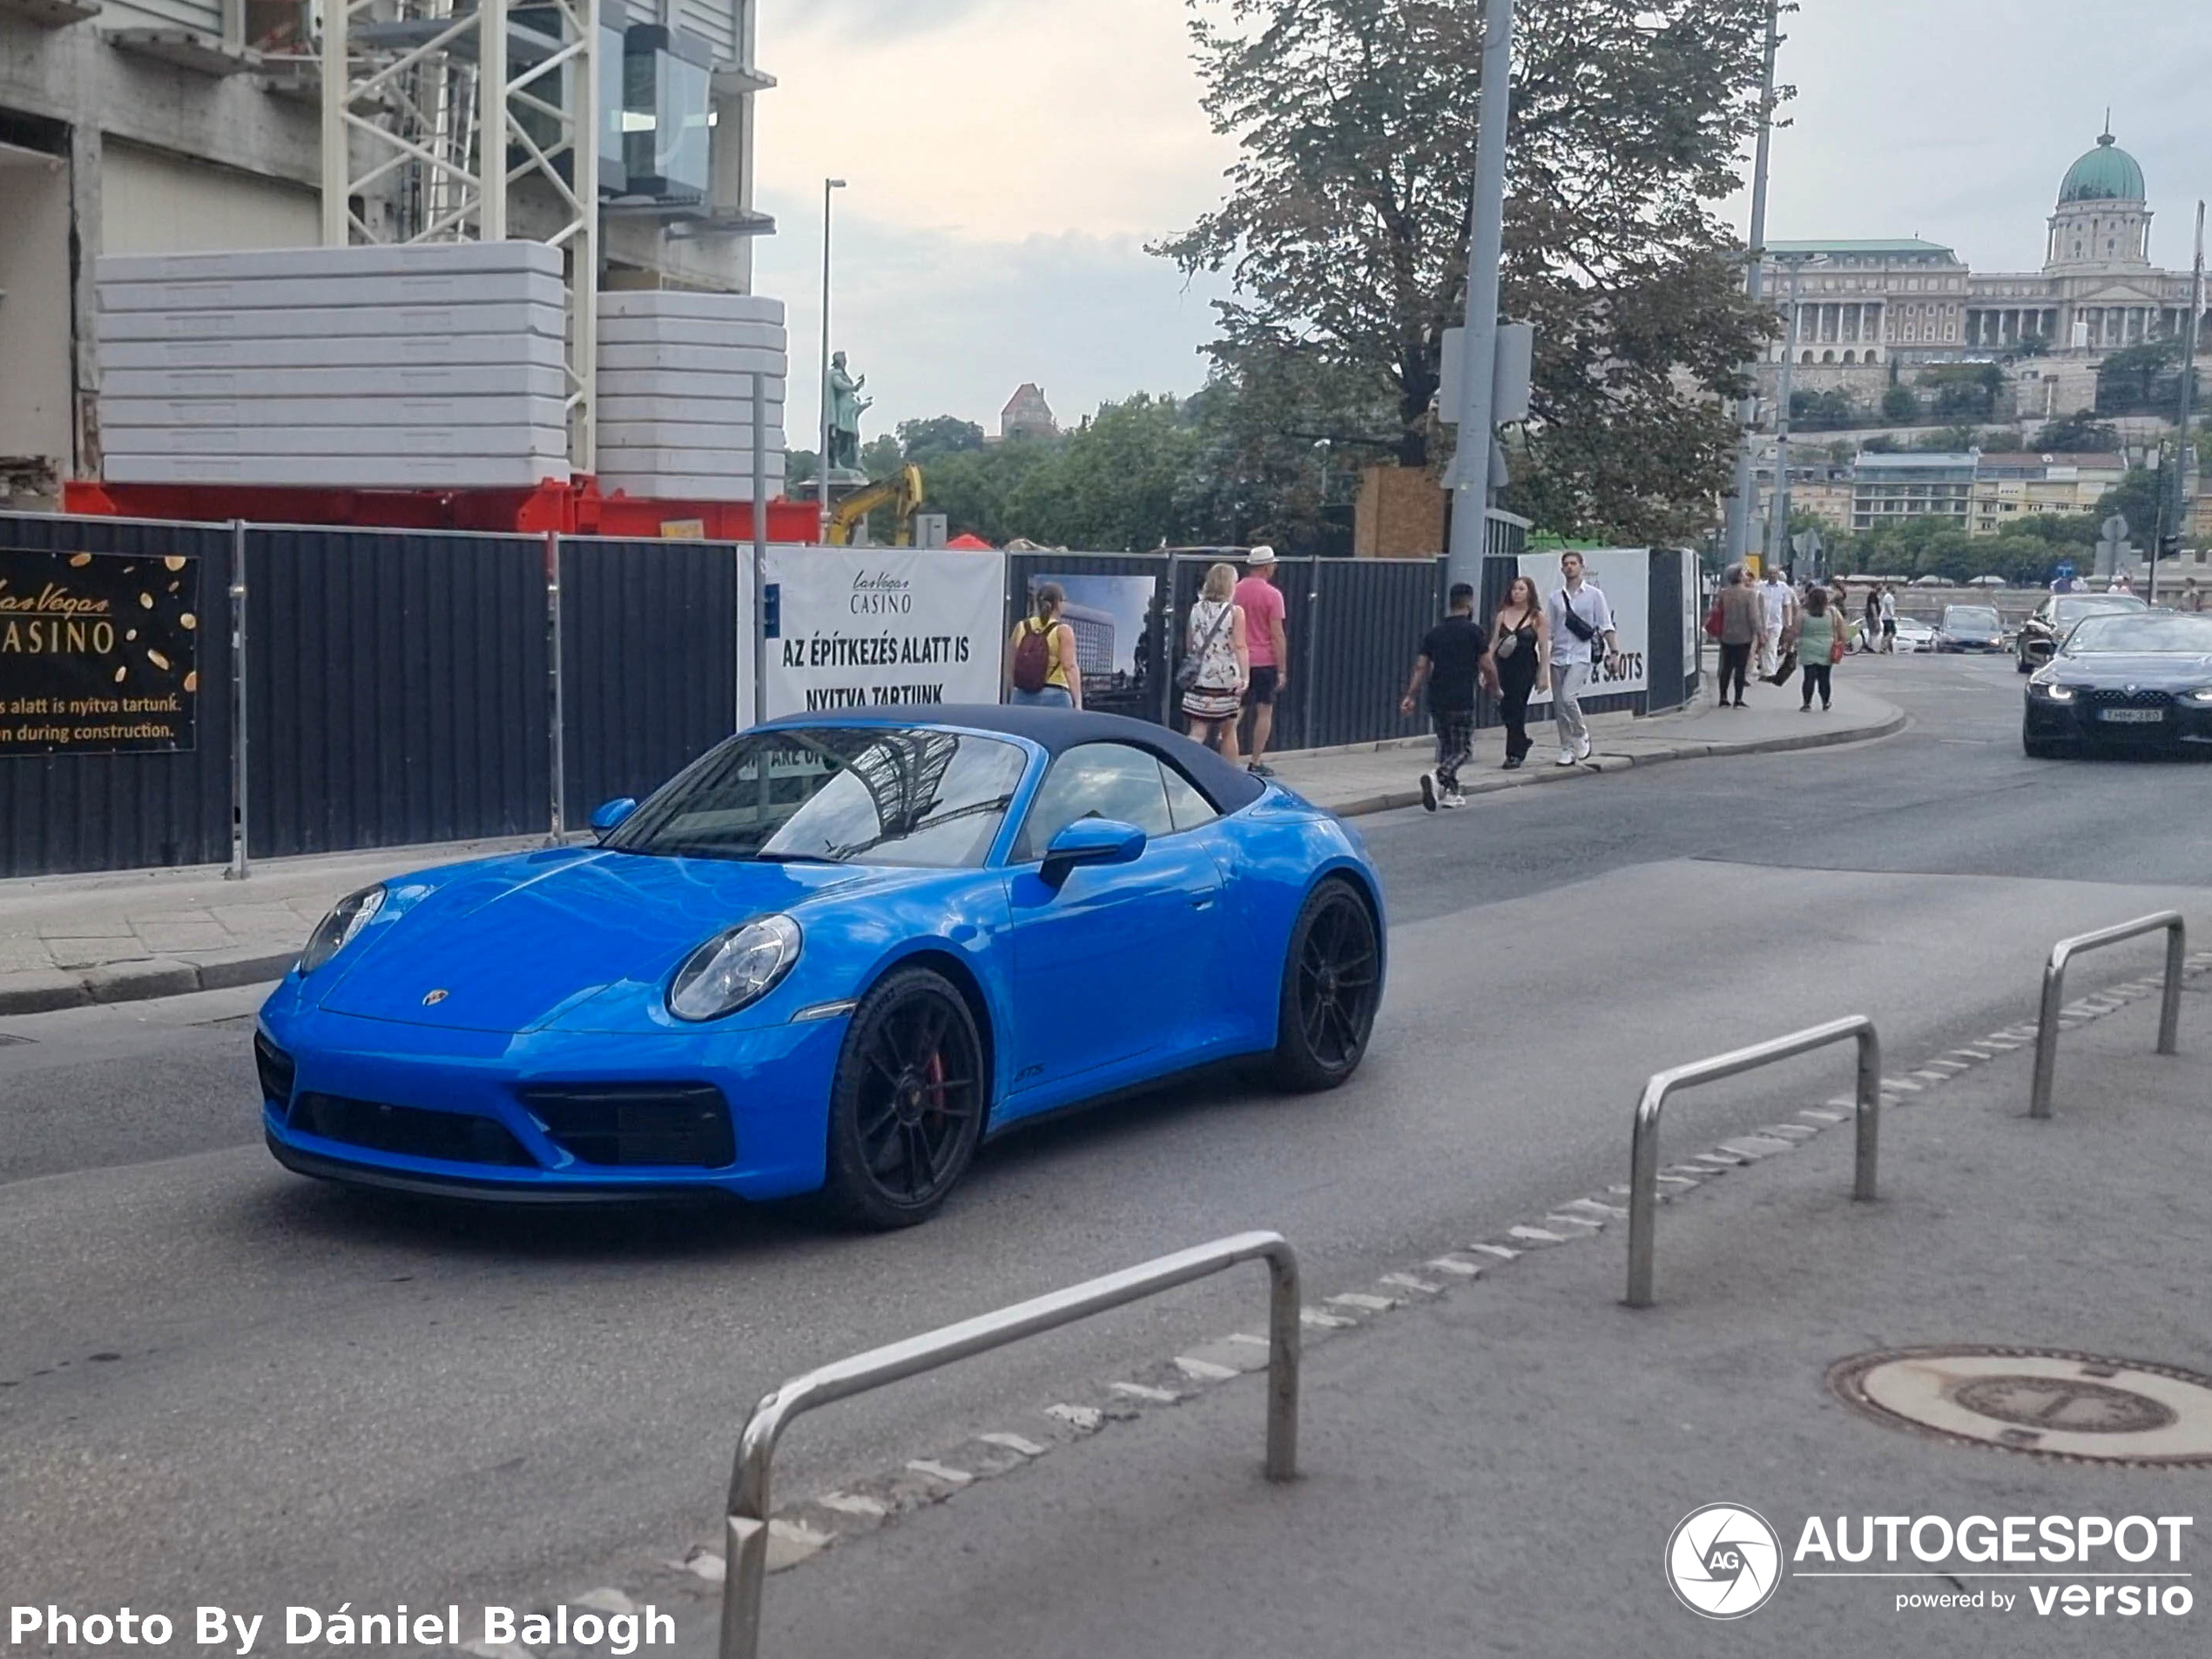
(1216, 663)
(1819, 646)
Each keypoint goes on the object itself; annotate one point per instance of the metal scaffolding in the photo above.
(453, 120)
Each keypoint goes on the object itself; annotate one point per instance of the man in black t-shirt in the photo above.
(1453, 655)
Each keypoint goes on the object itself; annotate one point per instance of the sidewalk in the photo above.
(1375, 777)
(1494, 1455)
(66, 941)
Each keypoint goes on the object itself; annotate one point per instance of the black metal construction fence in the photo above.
(356, 689)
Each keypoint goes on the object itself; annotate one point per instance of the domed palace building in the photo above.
(1869, 311)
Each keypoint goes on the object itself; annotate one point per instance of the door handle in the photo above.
(1202, 901)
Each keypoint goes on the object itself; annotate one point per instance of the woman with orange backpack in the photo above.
(1040, 671)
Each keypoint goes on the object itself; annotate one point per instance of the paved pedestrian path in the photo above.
(1380, 778)
(67, 941)
(1495, 1451)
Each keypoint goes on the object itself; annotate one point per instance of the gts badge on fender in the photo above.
(1028, 1072)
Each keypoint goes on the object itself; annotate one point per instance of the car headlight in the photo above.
(2056, 693)
(336, 931)
(737, 966)
(2203, 694)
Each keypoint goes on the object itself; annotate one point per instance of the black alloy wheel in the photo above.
(907, 1105)
(1332, 985)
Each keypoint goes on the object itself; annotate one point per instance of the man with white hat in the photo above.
(1262, 603)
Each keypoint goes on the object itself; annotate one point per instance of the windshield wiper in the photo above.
(793, 858)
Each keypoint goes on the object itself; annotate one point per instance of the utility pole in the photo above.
(821, 455)
(1739, 504)
(1470, 476)
(2183, 469)
(1777, 512)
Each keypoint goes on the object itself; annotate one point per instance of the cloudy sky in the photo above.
(1008, 160)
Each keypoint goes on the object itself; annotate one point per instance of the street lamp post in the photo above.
(1778, 509)
(1739, 504)
(1485, 246)
(821, 455)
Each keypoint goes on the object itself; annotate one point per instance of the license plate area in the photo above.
(2132, 717)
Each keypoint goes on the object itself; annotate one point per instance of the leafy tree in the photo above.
(1954, 440)
(1901, 406)
(1347, 221)
(2080, 433)
(940, 434)
(1823, 411)
(2136, 498)
(2140, 377)
(799, 466)
(880, 457)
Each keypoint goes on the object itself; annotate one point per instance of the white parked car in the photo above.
(1912, 634)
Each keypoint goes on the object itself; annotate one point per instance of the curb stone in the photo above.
(40, 991)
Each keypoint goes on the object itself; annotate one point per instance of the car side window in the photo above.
(1185, 805)
(1097, 780)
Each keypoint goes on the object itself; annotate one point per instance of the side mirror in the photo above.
(611, 813)
(1091, 841)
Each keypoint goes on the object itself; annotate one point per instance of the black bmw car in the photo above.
(2054, 618)
(2132, 680)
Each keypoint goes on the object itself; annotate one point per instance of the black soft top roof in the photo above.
(1055, 729)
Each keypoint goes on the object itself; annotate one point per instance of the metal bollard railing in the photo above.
(1643, 1157)
(2047, 1024)
(747, 1533)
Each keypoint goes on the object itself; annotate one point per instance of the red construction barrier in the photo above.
(575, 508)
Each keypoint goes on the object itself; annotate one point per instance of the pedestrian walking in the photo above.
(1262, 603)
(1739, 635)
(1040, 667)
(2192, 596)
(1818, 642)
(1777, 606)
(1889, 619)
(1216, 663)
(1520, 656)
(1453, 655)
(1870, 631)
(1580, 623)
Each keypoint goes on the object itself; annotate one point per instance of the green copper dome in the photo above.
(2106, 173)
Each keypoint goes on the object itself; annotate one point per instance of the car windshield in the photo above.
(1974, 616)
(2072, 611)
(894, 795)
(2147, 631)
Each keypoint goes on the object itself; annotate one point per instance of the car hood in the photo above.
(515, 944)
(2163, 672)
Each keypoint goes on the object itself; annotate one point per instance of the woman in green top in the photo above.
(1818, 642)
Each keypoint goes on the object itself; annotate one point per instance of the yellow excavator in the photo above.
(901, 490)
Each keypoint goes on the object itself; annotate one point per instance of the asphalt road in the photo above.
(220, 1383)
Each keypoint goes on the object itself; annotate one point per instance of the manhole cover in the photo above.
(2040, 1400)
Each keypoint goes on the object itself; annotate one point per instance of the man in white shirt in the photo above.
(1581, 634)
(1778, 601)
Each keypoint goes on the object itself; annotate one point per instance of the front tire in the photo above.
(905, 1104)
(1332, 985)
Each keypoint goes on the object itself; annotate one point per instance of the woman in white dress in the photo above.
(1214, 639)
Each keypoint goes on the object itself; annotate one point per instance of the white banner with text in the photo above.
(860, 627)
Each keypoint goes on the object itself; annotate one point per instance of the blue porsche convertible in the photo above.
(830, 956)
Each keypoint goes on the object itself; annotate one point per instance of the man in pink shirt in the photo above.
(1262, 603)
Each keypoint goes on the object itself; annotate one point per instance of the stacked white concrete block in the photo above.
(676, 385)
(426, 366)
